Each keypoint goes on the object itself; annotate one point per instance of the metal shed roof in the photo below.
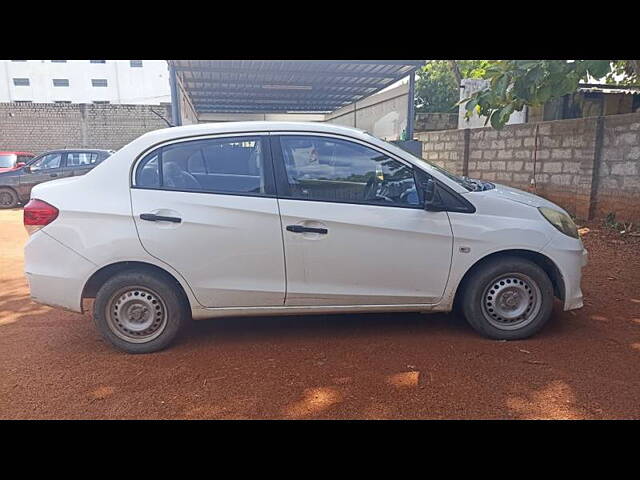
(270, 86)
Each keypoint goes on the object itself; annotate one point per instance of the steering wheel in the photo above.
(371, 190)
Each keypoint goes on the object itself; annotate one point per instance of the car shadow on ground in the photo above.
(231, 329)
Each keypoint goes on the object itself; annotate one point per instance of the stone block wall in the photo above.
(589, 166)
(427, 122)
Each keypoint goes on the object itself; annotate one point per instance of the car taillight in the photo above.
(37, 214)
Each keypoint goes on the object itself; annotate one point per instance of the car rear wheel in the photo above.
(8, 198)
(508, 298)
(138, 312)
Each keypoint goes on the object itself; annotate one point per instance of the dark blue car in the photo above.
(16, 185)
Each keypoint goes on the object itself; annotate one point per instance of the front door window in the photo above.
(333, 170)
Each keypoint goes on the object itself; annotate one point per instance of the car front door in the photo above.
(208, 208)
(47, 167)
(354, 230)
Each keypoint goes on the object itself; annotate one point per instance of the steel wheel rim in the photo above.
(136, 314)
(511, 301)
(6, 199)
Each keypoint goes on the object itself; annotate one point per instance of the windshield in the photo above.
(8, 161)
(470, 184)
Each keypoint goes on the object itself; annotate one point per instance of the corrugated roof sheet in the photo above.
(604, 88)
(250, 86)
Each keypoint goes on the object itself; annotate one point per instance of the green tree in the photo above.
(516, 83)
(438, 83)
(624, 72)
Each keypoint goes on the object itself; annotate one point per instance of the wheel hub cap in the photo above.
(511, 301)
(137, 315)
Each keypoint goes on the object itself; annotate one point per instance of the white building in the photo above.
(85, 81)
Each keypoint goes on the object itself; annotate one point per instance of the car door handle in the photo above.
(301, 229)
(159, 218)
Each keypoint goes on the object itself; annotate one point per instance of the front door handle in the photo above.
(159, 218)
(302, 229)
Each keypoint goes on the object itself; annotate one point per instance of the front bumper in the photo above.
(570, 257)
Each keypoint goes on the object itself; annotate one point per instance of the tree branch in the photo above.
(456, 71)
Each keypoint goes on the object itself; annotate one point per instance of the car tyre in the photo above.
(508, 298)
(8, 198)
(139, 312)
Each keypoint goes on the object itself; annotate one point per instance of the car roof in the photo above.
(248, 127)
(92, 150)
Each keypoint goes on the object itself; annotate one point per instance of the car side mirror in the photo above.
(28, 168)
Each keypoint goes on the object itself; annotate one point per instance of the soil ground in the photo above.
(585, 364)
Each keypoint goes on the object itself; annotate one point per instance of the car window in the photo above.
(230, 165)
(328, 169)
(75, 159)
(49, 161)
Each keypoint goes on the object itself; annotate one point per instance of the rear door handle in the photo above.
(159, 218)
(301, 229)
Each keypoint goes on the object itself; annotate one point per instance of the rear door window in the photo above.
(229, 165)
(81, 159)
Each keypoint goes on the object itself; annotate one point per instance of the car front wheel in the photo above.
(508, 298)
(139, 312)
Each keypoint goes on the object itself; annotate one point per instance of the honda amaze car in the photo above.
(274, 218)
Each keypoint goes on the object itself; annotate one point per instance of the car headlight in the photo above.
(561, 221)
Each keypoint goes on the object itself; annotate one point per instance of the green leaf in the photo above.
(598, 68)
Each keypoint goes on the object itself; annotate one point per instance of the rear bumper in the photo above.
(55, 273)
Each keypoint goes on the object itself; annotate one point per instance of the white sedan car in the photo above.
(274, 218)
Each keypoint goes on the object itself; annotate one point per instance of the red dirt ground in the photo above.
(584, 365)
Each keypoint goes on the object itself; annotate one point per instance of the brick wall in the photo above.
(39, 127)
(589, 166)
(426, 122)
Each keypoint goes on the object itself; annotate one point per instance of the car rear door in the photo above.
(354, 230)
(207, 207)
(79, 163)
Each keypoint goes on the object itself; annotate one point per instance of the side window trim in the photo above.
(283, 189)
(263, 138)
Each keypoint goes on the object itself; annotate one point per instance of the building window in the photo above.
(58, 61)
(62, 101)
(135, 63)
(21, 82)
(97, 61)
(101, 102)
(60, 82)
(99, 82)
(23, 101)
